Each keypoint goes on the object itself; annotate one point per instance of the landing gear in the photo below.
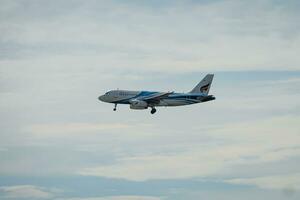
(115, 108)
(153, 110)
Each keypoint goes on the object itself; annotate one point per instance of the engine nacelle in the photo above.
(138, 105)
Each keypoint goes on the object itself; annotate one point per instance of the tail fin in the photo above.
(204, 85)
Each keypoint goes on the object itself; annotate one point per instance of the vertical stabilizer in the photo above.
(204, 85)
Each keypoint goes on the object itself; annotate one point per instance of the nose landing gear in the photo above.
(153, 110)
(115, 108)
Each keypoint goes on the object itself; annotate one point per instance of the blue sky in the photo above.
(57, 141)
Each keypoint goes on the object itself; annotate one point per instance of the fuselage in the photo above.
(174, 99)
(140, 100)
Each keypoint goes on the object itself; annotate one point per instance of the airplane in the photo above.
(140, 100)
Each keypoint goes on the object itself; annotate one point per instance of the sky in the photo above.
(58, 142)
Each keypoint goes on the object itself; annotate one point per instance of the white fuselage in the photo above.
(140, 100)
(175, 99)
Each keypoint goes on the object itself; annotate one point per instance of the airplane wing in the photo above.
(156, 97)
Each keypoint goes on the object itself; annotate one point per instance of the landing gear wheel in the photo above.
(153, 110)
(115, 108)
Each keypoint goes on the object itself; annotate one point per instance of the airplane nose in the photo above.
(101, 98)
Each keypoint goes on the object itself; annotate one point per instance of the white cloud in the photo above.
(25, 191)
(84, 131)
(115, 198)
(243, 144)
(281, 182)
(73, 128)
(273, 133)
(58, 56)
(289, 82)
(140, 168)
(3, 149)
(177, 36)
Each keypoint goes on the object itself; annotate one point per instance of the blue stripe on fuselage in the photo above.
(189, 98)
(141, 94)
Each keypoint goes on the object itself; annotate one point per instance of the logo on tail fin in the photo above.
(204, 88)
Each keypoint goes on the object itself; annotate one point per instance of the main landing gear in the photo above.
(153, 110)
(115, 108)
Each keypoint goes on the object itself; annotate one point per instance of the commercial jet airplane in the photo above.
(140, 100)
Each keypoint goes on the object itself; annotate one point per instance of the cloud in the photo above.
(289, 82)
(178, 35)
(281, 182)
(141, 168)
(79, 131)
(25, 191)
(272, 133)
(125, 146)
(238, 145)
(56, 57)
(3, 149)
(115, 198)
(73, 128)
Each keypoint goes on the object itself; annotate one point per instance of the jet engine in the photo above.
(138, 105)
